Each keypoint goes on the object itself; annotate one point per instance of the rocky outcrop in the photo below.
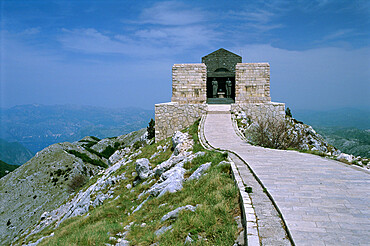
(168, 176)
(175, 213)
(143, 169)
(45, 182)
(309, 139)
(200, 171)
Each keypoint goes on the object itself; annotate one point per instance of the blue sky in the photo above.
(120, 53)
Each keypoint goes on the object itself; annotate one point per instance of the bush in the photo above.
(137, 145)
(77, 182)
(288, 112)
(95, 138)
(108, 151)
(151, 129)
(86, 158)
(272, 133)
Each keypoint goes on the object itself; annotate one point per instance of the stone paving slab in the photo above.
(323, 202)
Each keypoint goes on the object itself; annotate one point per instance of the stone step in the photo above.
(219, 108)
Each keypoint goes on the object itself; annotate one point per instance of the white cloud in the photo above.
(171, 13)
(31, 31)
(259, 18)
(91, 41)
(184, 36)
(337, 35)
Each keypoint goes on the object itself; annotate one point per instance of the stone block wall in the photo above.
(173, 116)
(189, 83)
(261, 110)
(252, 83)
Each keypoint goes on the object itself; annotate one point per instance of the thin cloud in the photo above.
(258, 18)
(31, 31)
(336, 35)
(172, 14)
(186, 36)
(92, 41)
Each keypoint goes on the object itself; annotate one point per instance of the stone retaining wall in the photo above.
(261, 110)
(173, 116)
(252, 83)
(189, 83)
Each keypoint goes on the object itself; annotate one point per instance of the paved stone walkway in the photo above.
(323, 202)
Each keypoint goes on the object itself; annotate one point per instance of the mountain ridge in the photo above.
(38, 126)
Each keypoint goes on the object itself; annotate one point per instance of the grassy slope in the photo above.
(6, 167)
(215, 192)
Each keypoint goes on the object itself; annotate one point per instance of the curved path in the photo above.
(323, 202)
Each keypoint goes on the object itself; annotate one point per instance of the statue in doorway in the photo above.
(228, 88)
(214, 87)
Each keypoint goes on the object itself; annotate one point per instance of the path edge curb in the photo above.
(249, 220)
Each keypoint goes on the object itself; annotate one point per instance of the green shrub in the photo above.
(137, 145)
(92, 151)
(151, 129)
(95, 138)
(272, 133)
(89, 144)
(288, 112)
(108, 151)
(76, 182)
(86, 158)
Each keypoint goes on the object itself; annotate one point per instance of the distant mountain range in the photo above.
(38, 126)
(345, 117)
(346, 129)
(14, 153)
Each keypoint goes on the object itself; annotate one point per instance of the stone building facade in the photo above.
(220, 78)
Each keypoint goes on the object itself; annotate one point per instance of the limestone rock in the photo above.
(188, 239)
(164, 166)
(200, 171)
(162, 230)
(175, 213)
(143, 168)
(181, 142)
(345, 157)
(170, 181)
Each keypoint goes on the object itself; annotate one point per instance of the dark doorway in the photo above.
(221, 96)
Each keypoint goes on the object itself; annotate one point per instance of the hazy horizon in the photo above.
(120, 54)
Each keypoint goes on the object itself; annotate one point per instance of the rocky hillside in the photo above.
(292, 134)
(349, 140)
(47, 180)
(171, 192)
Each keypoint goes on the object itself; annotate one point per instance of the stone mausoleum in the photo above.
(221, 78)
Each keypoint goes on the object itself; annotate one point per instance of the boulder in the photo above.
(181, 142)
(143, 168)
(175, 213)
(164, 166)
(162, 230)
(170, 181)
(200, 171)
(345, 157)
